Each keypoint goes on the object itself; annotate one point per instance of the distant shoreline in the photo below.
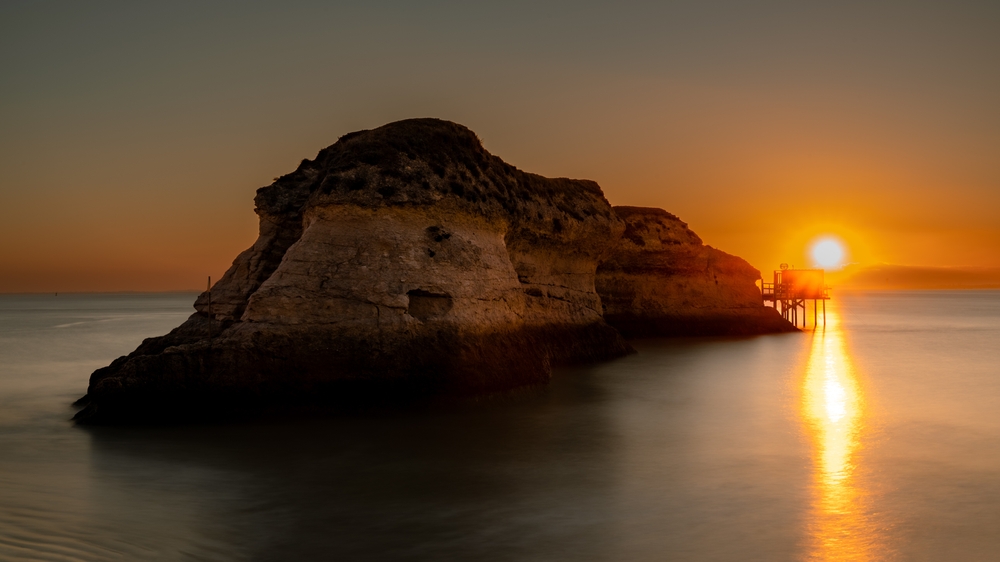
(834, 288)
(52, 293)
(849, 288)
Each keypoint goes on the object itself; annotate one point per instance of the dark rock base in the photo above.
(250, 373)
(739, 322)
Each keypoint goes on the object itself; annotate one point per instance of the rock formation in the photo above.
(660, 280)
(406, 262)
(403, 261)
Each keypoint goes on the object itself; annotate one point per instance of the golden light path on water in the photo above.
(833, 408)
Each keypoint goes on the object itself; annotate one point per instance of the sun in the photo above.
(828, 253)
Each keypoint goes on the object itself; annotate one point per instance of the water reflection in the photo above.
(833, 408)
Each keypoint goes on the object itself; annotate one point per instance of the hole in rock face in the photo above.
(437, 233)
(425, 304)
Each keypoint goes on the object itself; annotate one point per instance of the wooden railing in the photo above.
(772, 291)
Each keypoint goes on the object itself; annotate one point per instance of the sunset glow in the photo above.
(523, 280)
(122, 183)
(833, 409)
(828, 253)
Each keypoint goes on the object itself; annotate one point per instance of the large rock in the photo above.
(660, 280)
(401, 262)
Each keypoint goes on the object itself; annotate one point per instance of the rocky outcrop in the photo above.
(660, 280)
(407, 262)
(401, 262)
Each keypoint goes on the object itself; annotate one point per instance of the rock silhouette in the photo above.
(660, 280)
(402, 263)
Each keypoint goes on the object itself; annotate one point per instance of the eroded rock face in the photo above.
(660, 280)
(401, 262)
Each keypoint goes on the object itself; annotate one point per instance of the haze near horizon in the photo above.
(133, 137)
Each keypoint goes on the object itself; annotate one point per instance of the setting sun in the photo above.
(828, 253)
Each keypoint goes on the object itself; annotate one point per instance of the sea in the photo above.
(873, 437)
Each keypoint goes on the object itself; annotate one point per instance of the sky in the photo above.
(134, 135)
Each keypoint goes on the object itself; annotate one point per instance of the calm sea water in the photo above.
(877, 438)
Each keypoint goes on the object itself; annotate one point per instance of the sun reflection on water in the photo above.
(833, 408)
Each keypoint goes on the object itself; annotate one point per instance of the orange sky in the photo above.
(132, 138)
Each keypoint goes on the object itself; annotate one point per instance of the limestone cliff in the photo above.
(660, 280)
(402, 261)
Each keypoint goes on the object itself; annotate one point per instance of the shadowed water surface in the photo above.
(878, 438)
